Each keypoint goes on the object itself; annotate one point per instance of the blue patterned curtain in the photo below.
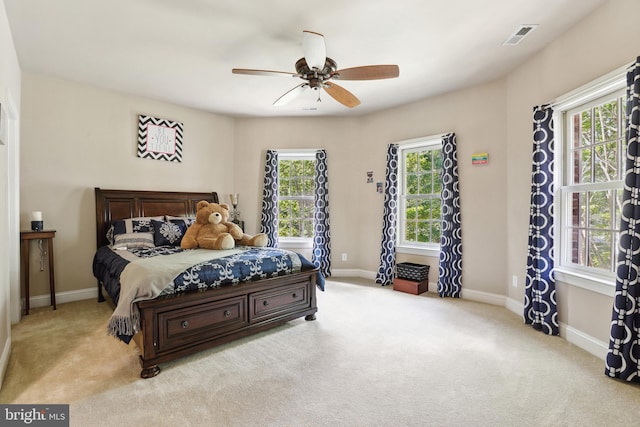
(540, 290)
(450, 265)
(624, 345)
(269, 220)
(321, 231)
(386, 270)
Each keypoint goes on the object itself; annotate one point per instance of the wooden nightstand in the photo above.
(25, 238)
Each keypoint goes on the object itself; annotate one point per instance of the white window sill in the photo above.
(295, 243)
(601, 285)
(418, 250)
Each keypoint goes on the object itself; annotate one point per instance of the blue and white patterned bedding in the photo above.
(245, 264)
(251, 264)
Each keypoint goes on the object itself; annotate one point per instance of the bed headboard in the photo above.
(112, 205)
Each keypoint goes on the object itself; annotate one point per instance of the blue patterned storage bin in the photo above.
(412, 271)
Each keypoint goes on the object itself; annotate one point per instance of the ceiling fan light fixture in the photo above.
(314, 48)
(316, 69)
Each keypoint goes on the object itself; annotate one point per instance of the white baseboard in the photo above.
(572, 335)
(63, 297)
(584, 341)
(4, 359)
(346, 272)
(515, 306)
(485, 297)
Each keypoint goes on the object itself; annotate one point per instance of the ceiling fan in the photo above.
(318, 71)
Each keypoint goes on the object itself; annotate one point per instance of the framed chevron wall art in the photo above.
(159, 139)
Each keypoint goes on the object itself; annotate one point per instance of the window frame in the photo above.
(609, 86)
(295, 242)
(433, 142)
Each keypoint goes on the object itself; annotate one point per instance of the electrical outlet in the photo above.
(514, 281)
(344, 256)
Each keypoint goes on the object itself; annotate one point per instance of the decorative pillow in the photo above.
(170, 232)
(131, 225)
(133, 240)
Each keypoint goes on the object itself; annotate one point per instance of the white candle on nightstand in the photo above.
(36, 216)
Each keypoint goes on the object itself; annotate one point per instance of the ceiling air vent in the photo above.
(520, 34)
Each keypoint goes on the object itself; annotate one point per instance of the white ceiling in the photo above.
(183, 51)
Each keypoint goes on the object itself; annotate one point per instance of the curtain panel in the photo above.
(623, 357)
(269, 219)
(321, 230)
(386, 268)
(540, 309)
(450, 263)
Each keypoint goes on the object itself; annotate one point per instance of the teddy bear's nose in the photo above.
(215, 218)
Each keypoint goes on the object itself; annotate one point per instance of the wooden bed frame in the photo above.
(178, 325)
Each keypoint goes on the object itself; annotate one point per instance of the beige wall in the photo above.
(357, 145)
(341, 138)
(604, 41)
(254, 136)
(77, 137)
(10, 100)
(477, 117)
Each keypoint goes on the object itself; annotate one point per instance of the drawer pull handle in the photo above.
(227, 313)
(295, 295)
(185, 324)
(265, 303)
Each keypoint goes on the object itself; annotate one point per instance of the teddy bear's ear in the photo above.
(202, 204)
(224, 205)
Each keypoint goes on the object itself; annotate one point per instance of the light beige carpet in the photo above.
(374, 357)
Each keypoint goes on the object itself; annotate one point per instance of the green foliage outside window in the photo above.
(296, 198)
(597, 166)
(423, 183)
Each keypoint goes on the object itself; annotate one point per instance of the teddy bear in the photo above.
(213, 230)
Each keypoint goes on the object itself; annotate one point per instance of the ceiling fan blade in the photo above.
(315, 51)
(291, 95)
(341, 95)
(260, 72)
(368, 72)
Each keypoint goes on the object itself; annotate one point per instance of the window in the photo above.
(593, 190)
(296, 196)
(592, 149)
(420, 204)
